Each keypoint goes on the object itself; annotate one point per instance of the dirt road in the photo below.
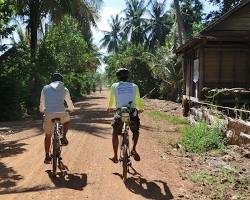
(91, 174)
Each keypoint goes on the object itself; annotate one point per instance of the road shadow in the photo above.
(74, 181)
(91, 121)
(11, 148)
(8, 177)
(10, 127)
(148, 189)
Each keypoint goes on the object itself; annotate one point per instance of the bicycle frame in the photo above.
(56, 145)
(124, 146)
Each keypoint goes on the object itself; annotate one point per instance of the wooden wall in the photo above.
(226, 67)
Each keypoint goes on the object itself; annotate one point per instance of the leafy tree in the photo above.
(224, 6)
(13, 82)
(180, 23)
(84, 11)
(166, 67)
(191, 11)
(35, 11)
(64, 49)
(134, 22)
(131, 57)
(112, 38)
(6, 12)
(159, 24)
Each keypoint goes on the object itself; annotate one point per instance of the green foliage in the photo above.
(191, 13)
(134, 21)
(112, 38)
(164, 116)
(159, 25)
(166, 67)
(6, 12)
(196, 28)
(223, 5)
(133, 58)
(199, 138)
(64, 49)
(13, 83)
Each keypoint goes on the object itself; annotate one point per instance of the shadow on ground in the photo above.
(148, 189)
(8, 177)
(19, 126)
(74, 181)
(11, 148)
(90, 119)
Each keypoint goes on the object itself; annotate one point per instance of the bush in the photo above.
(199, 138)
(13, 83)
(64, 49)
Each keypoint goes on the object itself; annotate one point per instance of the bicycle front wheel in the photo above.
(55, 156)
(125, 162)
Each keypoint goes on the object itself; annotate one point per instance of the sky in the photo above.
(113, 7)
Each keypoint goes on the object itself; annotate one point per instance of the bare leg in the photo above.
(115, 142)
(134, 152)
(135, 141)
(65, 128)
(47, 142)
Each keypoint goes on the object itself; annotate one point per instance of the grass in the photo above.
(221, 184)
(199, 138)
(164, 116)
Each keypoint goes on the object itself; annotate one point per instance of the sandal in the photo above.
(47, 159)
(114, 160)
(64, 141)
(135, 155)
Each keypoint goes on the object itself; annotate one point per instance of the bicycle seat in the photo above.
(56, 119)
(124, 109)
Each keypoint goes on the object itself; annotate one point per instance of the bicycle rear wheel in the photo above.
(125, 162)
(55, 156)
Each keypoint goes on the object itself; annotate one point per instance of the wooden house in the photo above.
(219, 57)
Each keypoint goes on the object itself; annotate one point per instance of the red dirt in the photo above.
(91, 174)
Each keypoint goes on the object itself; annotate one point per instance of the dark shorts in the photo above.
(134, 124)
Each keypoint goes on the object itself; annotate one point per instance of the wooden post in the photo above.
(201, 70)
(183, 72)
(220, 54)
(234, 68)
(248, 64)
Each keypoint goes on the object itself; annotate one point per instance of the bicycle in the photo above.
(57, 146)
(124, 144)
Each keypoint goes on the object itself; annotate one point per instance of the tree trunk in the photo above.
(34, 25)
(181, 28)
(34, 22)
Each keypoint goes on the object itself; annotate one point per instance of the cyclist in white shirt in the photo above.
(52, 105)
(122, 94)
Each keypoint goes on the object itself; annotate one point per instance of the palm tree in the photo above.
(112, 38)
(134, 22)
(33, 11)
(180, 24)
(167, 68)
(85, 11)
(159, 24)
